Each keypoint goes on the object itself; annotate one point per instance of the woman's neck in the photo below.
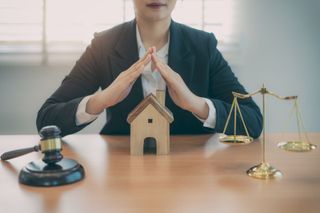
(154, 33)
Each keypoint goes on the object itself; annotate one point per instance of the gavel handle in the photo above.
(19, 152)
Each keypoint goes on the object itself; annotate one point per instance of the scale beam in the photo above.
(263, 90)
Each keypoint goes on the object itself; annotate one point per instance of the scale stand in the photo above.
(263, 170)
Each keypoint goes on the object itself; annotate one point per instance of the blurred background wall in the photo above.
(275, 42)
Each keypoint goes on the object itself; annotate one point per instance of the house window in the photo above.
(150, 120)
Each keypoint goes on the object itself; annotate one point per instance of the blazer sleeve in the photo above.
(60, 109)
(222, 83)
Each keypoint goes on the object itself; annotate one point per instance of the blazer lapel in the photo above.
(126, 50)
(125, 55)
(180, 59)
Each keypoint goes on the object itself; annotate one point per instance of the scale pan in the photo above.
(296, 146)
(236, 139)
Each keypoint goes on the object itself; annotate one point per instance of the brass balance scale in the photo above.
(264, 170)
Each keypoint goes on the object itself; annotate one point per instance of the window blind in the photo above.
(67, 26)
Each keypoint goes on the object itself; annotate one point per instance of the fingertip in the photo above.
(148, 58)
(153, 56)
(149, 50)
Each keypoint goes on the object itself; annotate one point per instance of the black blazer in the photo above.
(192, 53)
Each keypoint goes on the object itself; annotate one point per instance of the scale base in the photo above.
(236, 139)
(264, 171)
(37, 173)
(296, 146)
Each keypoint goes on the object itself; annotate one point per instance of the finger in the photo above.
(134, 75)
(160, 67)
(152, 50)
(147, 59)
(134, 71)
(139, 68)
(165, 67)
(155, 58)
(144, 60)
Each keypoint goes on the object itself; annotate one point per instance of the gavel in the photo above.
(53, 169)
(50, 145)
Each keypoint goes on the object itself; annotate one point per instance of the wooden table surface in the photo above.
(199, 175)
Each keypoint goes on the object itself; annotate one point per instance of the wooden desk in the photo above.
(200, 175)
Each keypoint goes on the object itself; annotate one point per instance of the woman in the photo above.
(136, 58)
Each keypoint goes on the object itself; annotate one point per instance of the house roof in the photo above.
(150, 99)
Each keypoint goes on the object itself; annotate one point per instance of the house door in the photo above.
(149, 145)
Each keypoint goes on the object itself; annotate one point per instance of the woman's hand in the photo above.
(119, 88)
(178, 90)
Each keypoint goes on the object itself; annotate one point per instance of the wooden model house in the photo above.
(150, 119)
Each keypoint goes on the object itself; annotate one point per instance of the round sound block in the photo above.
(37, 173)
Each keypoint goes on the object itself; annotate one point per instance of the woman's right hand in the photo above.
(119, 88)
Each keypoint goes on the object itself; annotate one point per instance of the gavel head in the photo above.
(50, 144)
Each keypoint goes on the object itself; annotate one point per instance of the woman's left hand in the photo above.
(178, 90)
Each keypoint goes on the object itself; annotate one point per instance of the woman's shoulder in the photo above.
(193, 33)
(197, 39)
(110, 37)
